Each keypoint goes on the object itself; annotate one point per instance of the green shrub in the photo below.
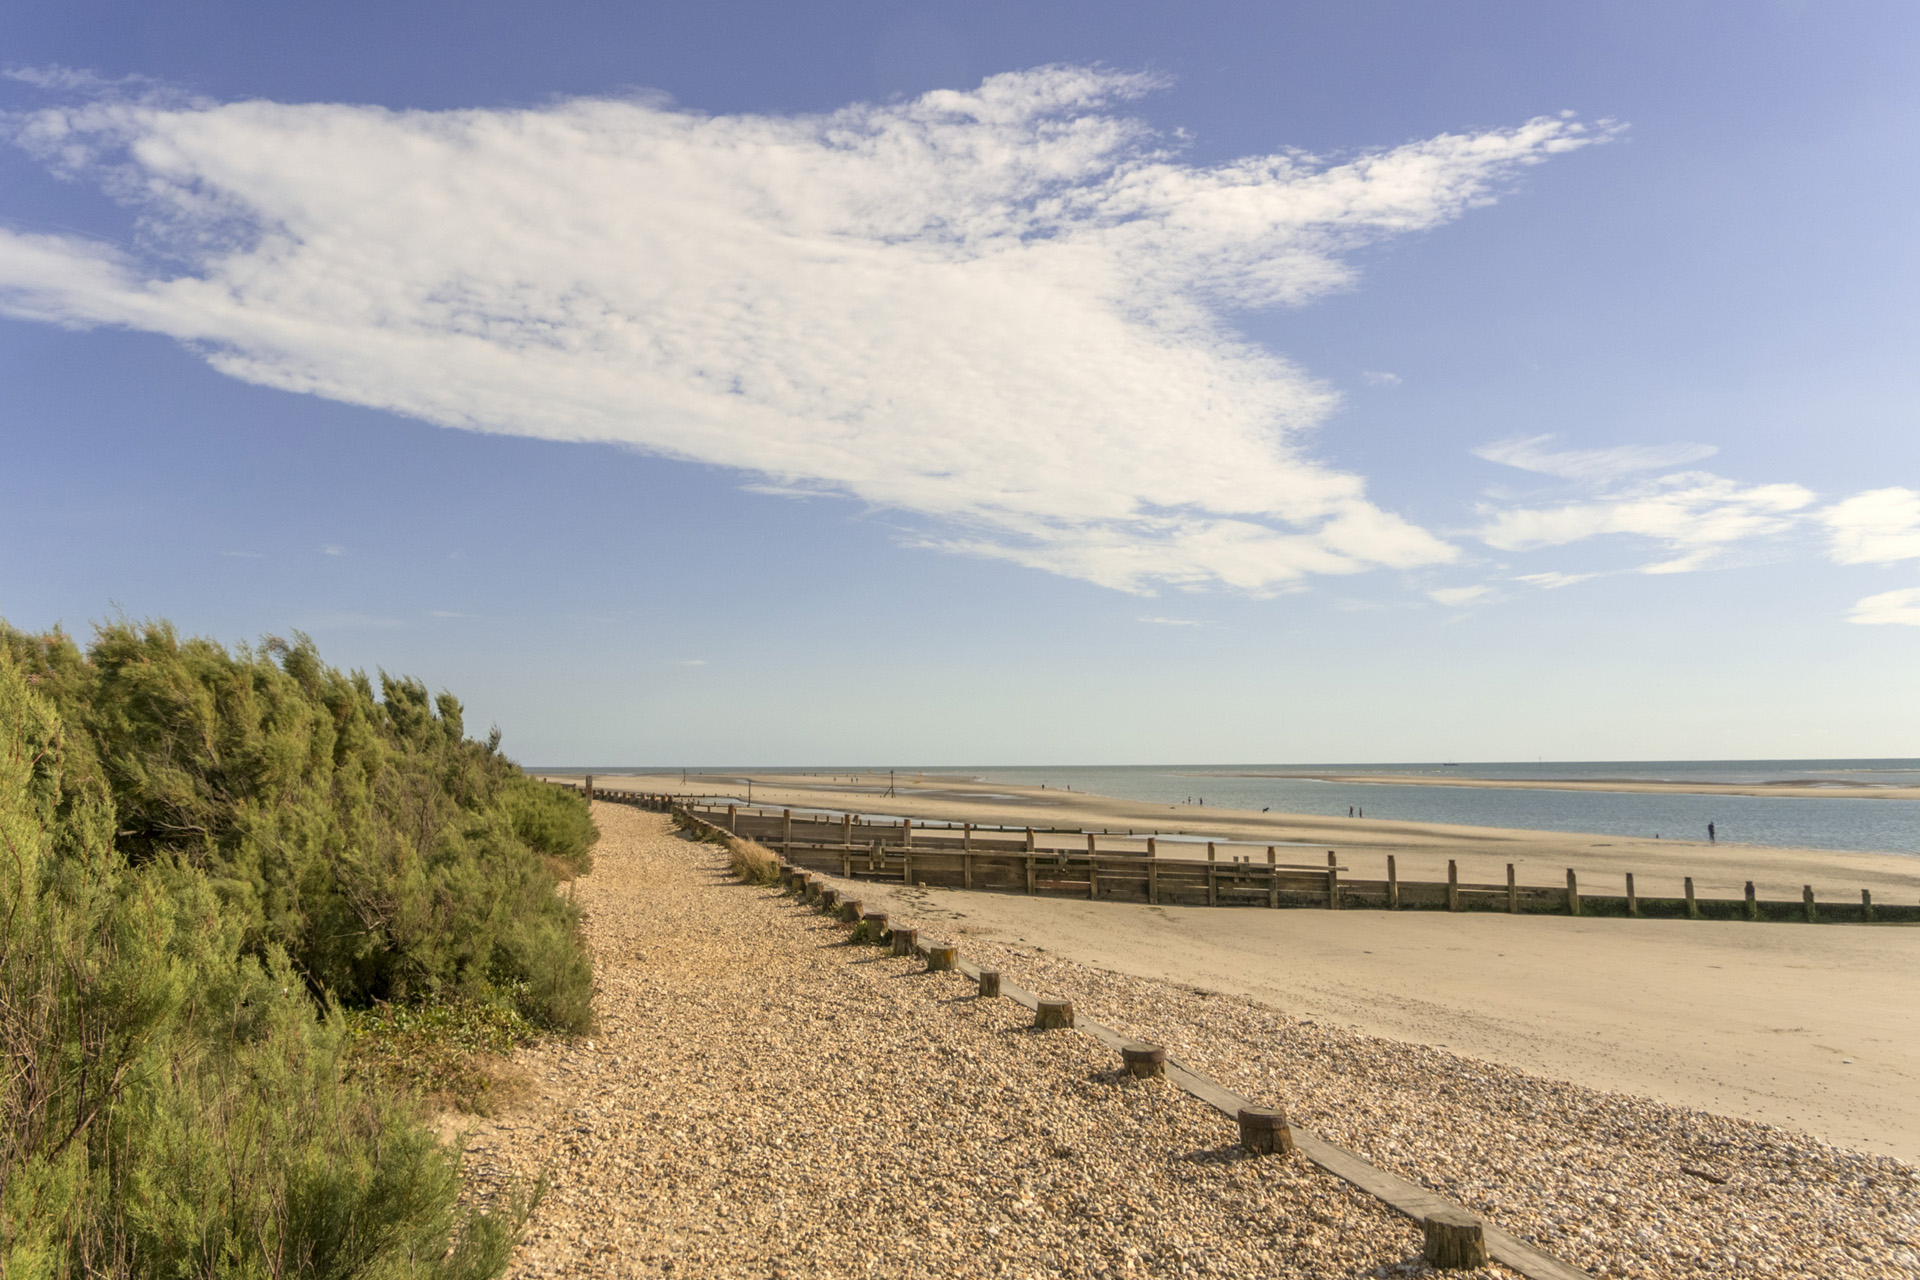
(389, 857)
(173, 1105)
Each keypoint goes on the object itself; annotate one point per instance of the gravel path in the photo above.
(764, 1100)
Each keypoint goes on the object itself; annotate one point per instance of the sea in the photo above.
(1817, 822)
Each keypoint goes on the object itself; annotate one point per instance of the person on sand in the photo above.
(1710, 834)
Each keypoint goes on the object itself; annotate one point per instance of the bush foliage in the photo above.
(203, 854)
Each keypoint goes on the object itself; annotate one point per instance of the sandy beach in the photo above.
(1421, 849)
(1811, 1027)
(1642, 786)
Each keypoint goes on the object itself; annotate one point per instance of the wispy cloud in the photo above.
(333, 549)
(1900, 608)
(1459, 597)
(1173, 622)
(350, 622)
(1531, 454)
(1552, 580)
(1693, 516)
(1004, 311)
(691, 662)
(1879, 526)
(1381, 379)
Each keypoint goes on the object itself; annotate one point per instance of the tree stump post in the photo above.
(989, 983)
(1264, 1131)
(1143, 1061)
(876, 922)
(1454, 1242)
(1573, 893)
(1054, 1015)
(851, 909)
(1753, 905)
(942, 957)
(1693, 908)
(905, 941)
(1393, 885)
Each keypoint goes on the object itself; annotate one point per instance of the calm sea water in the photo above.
(1819, 823)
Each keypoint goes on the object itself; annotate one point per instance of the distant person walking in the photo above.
(1349, 811)
(1711, 838)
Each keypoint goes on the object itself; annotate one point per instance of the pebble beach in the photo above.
(763, 1098)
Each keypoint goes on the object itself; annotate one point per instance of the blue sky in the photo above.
(988, 383)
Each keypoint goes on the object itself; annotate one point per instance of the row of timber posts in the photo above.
(1335, 894)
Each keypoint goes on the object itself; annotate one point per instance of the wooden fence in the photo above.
(1232, 874)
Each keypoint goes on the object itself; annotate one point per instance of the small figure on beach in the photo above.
(1710, 834)
(1349, 811)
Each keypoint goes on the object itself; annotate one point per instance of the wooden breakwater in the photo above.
(1229, 874)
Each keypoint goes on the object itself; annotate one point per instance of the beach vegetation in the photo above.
(234, 885)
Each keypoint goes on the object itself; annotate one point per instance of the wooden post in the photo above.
(1453, 885)
(1333, 883)
(989, 983)
(589, 788)
(1806, 901)
(1153, 881)
(876, 922)
(1393, 885)
(1273, 880)
(1454, 1241)
(830, 900)
(1693, 908)
(1513, 893)
(1030, 884)
(1153, 847)
(1213, 884)
(851, 909)
(1054, 1015)
(1264, 1131)
(733, 818)
(846, 829)
(1866, 905)
(1210, 853)
(1143, 1061)
(846, 862)
(906, 833)
(1090, 846)
(1753, 907)
(1633, 899)
(786, 833)
(1573, 893)
(1029, 839)
(1093, 873)
(966, 838)
(905, 941)
(966, 869)
(942, 957)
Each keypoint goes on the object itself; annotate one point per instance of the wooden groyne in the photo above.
(1107, 868)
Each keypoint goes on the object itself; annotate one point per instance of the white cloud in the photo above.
(1553, 580)
(1381, 379)
(1457, 597)
(1889, 607)
(1001, 310)
(1174, 622)
(1879, 526)
(1694, 515)
(333, 549)
(691, 662)
(1529, 454)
